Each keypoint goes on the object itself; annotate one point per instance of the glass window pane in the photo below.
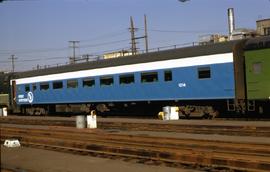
(88, 82)
(27, 88)
(57, 85)
(168, 75)
(204, 72)
(34, 87)
(108, 80)
(72, 83)
(126, 79)
(44, 86)
(149, 77)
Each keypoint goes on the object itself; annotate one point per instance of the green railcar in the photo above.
(258, 73)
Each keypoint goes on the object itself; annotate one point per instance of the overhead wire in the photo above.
(31, 51)
(182, 31)
(98, 53)
(114, 34)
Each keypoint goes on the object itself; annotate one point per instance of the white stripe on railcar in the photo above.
(165, 64)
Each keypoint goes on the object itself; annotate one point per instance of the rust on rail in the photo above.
(194, 152)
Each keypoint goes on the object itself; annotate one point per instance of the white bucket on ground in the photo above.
(167, 112)
(174, 113)
(5, 113)
(92, 120)
(80, 121)
(170, 113)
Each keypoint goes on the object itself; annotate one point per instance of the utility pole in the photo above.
(73, 45)
(133, 38)
(145, 34)
(13, 58)
(133, 41)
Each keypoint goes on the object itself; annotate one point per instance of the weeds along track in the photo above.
(195, 153)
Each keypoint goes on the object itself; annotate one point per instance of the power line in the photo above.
(105, 43)
(182, 31)
(109, 35)
(31, 51)
(15, 0)
(35, 59)
(97, 53)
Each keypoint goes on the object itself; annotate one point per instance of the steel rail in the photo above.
(85, 135)
(153, 148)
(200, 129)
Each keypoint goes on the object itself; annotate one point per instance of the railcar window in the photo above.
(267, 44)
(168, 75)
(44, 86)
(126, 79)
(57, 85)
(73, 83)
(204, 72)
(149, 77)
(27, 88)
(34, 87)
(257, 67)
(106, 80)
(88, 82)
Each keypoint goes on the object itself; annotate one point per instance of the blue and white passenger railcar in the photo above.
(206, 77)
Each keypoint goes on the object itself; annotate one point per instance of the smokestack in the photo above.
(231, 21)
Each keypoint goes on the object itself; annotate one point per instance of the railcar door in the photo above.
(239, 76)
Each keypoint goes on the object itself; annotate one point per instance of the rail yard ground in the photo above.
(19, 159)
(121, 144)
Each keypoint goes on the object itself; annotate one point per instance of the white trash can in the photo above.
(167, 111)
(5, 112)
(170, 113)
(80, 121)
(92, 120)
(174, 113)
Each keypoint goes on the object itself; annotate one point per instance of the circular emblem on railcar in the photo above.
(30, 97)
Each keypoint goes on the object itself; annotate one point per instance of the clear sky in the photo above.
(38, 31)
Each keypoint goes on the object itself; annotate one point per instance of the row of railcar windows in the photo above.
(146, 77)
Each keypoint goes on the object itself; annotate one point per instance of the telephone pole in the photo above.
(13, 58)
(145, 34)
(133, 38)
(73, 45)
(133, 41)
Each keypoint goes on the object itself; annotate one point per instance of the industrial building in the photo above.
(263, 27)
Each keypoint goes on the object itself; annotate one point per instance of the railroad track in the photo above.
(176, 152)
(263, 131)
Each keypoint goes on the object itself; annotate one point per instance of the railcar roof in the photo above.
(193, 51)
(259, 39)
